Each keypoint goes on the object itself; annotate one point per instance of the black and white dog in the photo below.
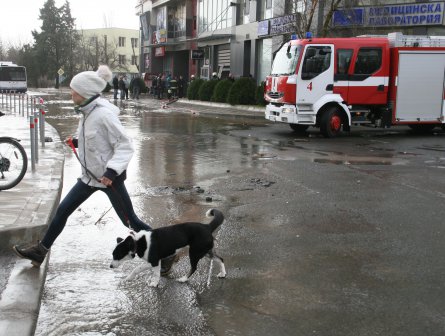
(152, 246)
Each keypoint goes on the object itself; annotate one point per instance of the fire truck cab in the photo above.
(333, 83)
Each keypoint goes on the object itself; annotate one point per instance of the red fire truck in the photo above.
(333, 83)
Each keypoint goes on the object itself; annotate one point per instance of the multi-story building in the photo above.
(199, 37)
(117, 47)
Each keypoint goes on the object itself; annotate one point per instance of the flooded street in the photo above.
(322, 236)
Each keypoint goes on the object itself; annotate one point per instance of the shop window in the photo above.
(176, 21)
(214, 15)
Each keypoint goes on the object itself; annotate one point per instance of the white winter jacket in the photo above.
(102, 141)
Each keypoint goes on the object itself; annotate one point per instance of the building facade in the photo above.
(200, 37)
(117, 47)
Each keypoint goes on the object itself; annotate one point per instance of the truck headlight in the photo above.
(287, 110)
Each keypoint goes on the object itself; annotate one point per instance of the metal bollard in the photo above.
(32, 137)
(23, 105)
(42, 127)
(36, 134)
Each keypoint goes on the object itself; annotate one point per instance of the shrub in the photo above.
(192, 91)
(221, 91)
(242, 92)
(205, 91)
(260, 95)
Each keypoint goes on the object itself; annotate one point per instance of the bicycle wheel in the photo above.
(13, 163)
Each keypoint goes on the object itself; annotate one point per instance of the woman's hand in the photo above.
(106, 181)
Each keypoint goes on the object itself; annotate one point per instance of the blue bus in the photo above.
(12, 77)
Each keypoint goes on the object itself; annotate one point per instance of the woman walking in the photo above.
(105, 151)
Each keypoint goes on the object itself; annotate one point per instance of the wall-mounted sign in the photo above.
(283, 24)
(197, 54)
(160, 36)
(263, 28)
(416, 14)
(354, 16)
(160, 51)
(145, 23)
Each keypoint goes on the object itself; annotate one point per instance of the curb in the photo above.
(19, 306)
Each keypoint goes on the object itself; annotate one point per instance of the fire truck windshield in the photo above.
(286, 60)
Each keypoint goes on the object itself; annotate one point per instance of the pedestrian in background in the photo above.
(180, 86)
(173, 88)
(136, 87)
(105, 150)
(127, 86)
(160, 85)
(115, 86)
(122, 87)
(167, 85)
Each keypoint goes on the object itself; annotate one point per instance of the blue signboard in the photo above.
(416, 14)
(263, 28)
(348, 17)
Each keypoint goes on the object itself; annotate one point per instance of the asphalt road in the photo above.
(335, 236)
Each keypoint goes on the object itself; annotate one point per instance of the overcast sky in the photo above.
(19, 17)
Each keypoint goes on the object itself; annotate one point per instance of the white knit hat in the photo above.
(90, 83)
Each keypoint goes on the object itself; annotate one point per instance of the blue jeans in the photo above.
(79, 193)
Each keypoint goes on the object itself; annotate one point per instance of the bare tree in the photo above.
(2, 52)
(316, 16)
(309, 13)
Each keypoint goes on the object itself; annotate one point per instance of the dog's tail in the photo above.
(217, 220)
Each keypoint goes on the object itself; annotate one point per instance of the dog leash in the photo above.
(71, 144)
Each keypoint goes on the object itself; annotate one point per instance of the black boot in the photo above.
(36, 253)
(167, 263)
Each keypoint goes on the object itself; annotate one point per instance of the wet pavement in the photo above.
(322, 236)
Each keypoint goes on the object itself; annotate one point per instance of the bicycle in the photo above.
(13, 162)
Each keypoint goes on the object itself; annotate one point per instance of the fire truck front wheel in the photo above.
(299, 128)
(331, 122)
